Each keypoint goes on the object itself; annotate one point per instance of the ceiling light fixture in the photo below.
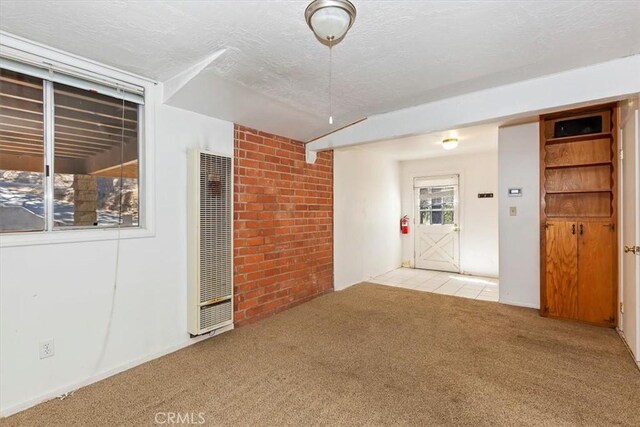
(449, 143)
(330, 20)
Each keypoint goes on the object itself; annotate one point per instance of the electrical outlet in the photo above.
(47, 349)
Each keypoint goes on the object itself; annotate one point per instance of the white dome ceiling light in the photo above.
(449, 143)
(330, 20)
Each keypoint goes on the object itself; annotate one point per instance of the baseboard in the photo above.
(386, 270)
(626, 344)
(518, 303)
(472, 273)
(355, 283)
(342, 288)
(5, 412)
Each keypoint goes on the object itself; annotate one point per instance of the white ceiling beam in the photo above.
(601, 82)
(213, 96)
(177, 82)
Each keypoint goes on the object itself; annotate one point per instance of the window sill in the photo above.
(68, 236)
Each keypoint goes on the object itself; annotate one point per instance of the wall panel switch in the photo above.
(513, 211)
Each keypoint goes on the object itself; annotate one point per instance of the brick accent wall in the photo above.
(283, 220)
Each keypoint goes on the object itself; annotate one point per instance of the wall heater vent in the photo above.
(210, 242)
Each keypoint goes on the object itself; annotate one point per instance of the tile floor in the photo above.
(439, 282)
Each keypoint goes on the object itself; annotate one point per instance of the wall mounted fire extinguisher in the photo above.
(404, 225)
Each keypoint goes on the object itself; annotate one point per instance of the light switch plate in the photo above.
(513, 211)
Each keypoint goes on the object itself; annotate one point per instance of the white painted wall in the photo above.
(64, 291)
(366, 216)
(478, 217)
(518, 160)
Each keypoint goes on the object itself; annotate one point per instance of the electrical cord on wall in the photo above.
(117, 263)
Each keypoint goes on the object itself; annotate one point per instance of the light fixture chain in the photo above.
(334, 19)
(330, 83)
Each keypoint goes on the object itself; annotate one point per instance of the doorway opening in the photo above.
(449, 197)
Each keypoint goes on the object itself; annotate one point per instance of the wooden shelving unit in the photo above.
(578, 199)
(578, 138)
(580, 164)
(577, 165)
(603, 190)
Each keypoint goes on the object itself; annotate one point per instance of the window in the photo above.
(21, 153)
(69, 152)
(437, 205)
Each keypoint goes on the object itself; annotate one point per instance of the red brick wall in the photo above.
(283, 219)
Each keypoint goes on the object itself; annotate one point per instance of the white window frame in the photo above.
(22, 50)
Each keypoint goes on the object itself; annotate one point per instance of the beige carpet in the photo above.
(376, 355)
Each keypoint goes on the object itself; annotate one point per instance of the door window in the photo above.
(437, 205)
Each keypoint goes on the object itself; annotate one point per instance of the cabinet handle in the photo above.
(581, 229)
(573, 229)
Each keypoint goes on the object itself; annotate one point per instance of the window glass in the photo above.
(92, 156)
(437, 205)
(447, 217)
(96, 159)
(22, 206)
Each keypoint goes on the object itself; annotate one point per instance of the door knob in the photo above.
(456, 227)
(632, 249)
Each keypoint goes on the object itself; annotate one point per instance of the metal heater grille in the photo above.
(212, 315)
(215, 231)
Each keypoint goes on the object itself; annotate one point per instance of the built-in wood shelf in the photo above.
(577, 165)
(601, 190)
(578, 138)
(581, 216)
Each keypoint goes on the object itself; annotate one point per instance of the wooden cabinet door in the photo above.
(561, 280)
(596, 272)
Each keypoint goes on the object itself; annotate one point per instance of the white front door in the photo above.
(630, 226)
(436, 223)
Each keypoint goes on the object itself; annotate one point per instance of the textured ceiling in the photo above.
(472, 139)
(397, 54)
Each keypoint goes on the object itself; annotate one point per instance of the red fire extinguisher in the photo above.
(404, 225)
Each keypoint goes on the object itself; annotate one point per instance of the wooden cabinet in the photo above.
(561, 270)
(579, 270)
(578, 197)
(596, 272)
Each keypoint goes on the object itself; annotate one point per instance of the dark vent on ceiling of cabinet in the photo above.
(579, 126)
